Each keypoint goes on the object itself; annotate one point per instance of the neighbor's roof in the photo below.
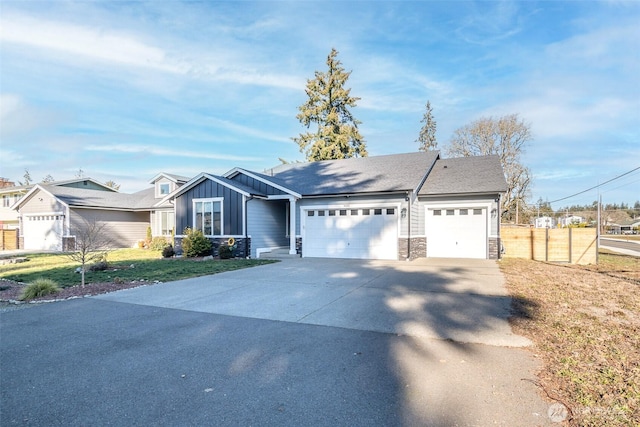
(379, 174)
(80, 197)
(25, 188)
(464, 175)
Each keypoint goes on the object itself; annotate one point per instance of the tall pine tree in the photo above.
(427, 137)
(337, 135)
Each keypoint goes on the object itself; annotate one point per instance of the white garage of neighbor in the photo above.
(456, 232)
(43, 231)
(362, 233)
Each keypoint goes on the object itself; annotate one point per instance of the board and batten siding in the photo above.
(258, 185)
(232, 207)
(122, 229)
(266, 224)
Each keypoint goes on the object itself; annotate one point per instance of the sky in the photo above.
(122, 91)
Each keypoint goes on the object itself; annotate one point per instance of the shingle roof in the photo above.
(379, 174)
(102, 199)
(479, 174)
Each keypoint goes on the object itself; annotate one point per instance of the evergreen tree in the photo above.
(427, 137)
(337, 135)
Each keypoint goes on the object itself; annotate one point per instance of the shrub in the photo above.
(195, 244)
(225, 251)
(168, 252)
(39, 288)
(149, 235)
(100, 265)
(158, 244)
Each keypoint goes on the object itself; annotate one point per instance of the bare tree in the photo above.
(91, 244)
(112, 184)
(506, 137)
(47, 179)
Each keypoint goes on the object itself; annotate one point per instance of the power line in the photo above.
(596, 186)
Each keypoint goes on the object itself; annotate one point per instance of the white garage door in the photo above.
(42, 232)
(364, 233)
(456, 233)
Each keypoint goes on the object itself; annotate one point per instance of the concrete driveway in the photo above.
(461, 300)
(301, 342)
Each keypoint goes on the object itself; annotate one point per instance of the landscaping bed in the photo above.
(585, 323)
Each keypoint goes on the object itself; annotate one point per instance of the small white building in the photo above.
(545, 222)
(570, 220)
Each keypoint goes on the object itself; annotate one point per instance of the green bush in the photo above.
(158, 244)
(168, 252)
(225, 251)
(39, 288)
(195, 244)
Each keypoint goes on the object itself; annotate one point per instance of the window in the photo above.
(320, 213)
(391, 211)
(450, 212)
(167, 223)
(332, 212)
(354, 212)
(207, 215)
(437, 212)
(477, 211)
(464, 211)
(365, 211)
(165, 189)
(343, 212)
(6, 201)
(311, 213)
(377, 211)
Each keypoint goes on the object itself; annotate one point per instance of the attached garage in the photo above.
(362, 233)
(456, 232)
(43, 232)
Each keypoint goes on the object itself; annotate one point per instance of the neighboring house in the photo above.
(11, 194)
(545, 222)
(630, 226)
(50, 215)
(385, 207)
(570, 220)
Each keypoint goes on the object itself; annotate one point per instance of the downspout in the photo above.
(408, 200)
(245, 227)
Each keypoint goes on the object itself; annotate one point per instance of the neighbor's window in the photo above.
(167, 223)
(165, 189)
(207, 216)
(6, 201)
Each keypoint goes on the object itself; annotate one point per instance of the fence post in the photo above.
(546, 245)
(570, 243)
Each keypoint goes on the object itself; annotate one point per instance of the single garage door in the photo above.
(364, 233)
(43, 232)
(456, 233)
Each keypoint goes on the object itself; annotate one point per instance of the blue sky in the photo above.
(125, 90)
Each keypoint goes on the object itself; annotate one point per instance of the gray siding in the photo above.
(232, 207)
(41, 202)
(259, 186)
(266, 224)
(121, 229)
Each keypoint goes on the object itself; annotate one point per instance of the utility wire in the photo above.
(595, 186)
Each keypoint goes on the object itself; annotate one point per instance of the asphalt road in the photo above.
(632, 246)
(98, 361)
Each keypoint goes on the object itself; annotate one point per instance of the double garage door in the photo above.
(456, 232)
(364, 233)
(43, 232)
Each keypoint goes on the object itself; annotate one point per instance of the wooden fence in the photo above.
(570, 245)
(9, 239)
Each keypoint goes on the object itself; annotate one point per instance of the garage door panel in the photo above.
(351, 235)
(43, 232)
(456, 233)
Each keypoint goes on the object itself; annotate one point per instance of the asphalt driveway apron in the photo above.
(300, 342)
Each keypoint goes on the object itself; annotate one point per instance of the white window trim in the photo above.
(210, 199)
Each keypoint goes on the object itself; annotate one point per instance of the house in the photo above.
(50, 214)
(10, 194)
(545, 222)
(570, 220)
(400, 206)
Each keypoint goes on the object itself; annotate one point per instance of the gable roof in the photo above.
(80, 197)
(236, 186)
(171, 177)
(67, 182)
(378, 174)
(465, 175)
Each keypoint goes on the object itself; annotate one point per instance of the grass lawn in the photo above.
(585, 323)
(124, 265)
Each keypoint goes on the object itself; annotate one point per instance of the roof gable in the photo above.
(464, 175)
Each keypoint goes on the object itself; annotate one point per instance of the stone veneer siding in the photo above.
(494, 248)
(418, 248)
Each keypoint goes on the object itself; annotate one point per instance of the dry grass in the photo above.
(585, 322)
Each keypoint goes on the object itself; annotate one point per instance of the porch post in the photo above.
(292, 225)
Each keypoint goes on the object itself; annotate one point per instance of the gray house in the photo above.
(400, 206)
